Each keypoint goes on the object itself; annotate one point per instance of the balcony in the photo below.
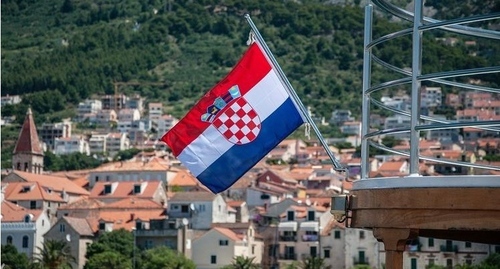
(288, 238)
(156, 233)
(310, 237)
(288, 256)
(449, 249)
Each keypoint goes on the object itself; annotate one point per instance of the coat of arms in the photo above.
(233, 117)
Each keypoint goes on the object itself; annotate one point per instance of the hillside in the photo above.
(66, 51)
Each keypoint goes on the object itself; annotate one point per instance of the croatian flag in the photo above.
(236, 123)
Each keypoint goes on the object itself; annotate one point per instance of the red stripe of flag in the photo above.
(251, 69)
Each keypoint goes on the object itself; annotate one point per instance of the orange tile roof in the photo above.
(14, 213)
(183, 178)
(82, 182)
(83, 203)
(394, 166)
(235, 203)
(126, 189)
(27, 191)
(133, 203)
(448, 154)
(154, 164)
(58, 184)
(126, 219)
(229, 233)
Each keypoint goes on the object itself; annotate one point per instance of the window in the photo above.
(213, 259)
(62, 228)
(25, 166)
(431, 262)
(107, 189)
(138, 225)
(361, 234)
(468, 261)
(413, 263)
(290, 215)
(96, 178)
(326, 253)
(310, 215)
(253, 249)
(336, 235)
(102, 226)
(468, 244)
(361, 256)
(32, 204)
(431, 242)
(107, 178)
(313, 251)
(27, 218)
(137, 189)
(9, 240)
(25, 241)
(184, 208)
(223, 242)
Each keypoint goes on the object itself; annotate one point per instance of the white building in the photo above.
(50, 131)
(202, 209)
(431, 96)
(105, 116)
(425, 252)
(97, 143)
(23, 228)
(129, 115)
(351, 128)
(340, 116)
(68, 145)
(219, 246)
(155, 111)
(398, 122)
(153, 169)
(116, 142)
(87, 107)
(10, 100)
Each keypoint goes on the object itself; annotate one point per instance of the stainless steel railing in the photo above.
(413, 78)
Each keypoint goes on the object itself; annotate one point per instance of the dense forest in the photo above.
(57, 53)
(65, 51)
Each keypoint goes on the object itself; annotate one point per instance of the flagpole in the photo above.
(305, 115)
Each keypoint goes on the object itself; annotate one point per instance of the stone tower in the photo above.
(28, 153)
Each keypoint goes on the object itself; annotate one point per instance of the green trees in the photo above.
(12, 259)
(73, 161)
(163, 257)
(241, 262)
(55, 254)
(114, 249)
(310, 262)
(108, 259)
(314, 263)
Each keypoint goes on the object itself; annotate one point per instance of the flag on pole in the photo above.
(235, 124)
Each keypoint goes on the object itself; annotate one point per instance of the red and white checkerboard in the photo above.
(238, 122)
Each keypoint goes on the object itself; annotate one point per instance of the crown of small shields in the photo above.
(219, 103)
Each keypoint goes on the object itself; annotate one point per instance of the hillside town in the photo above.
(277, 213)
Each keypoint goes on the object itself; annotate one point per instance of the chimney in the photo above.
(132, 216)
